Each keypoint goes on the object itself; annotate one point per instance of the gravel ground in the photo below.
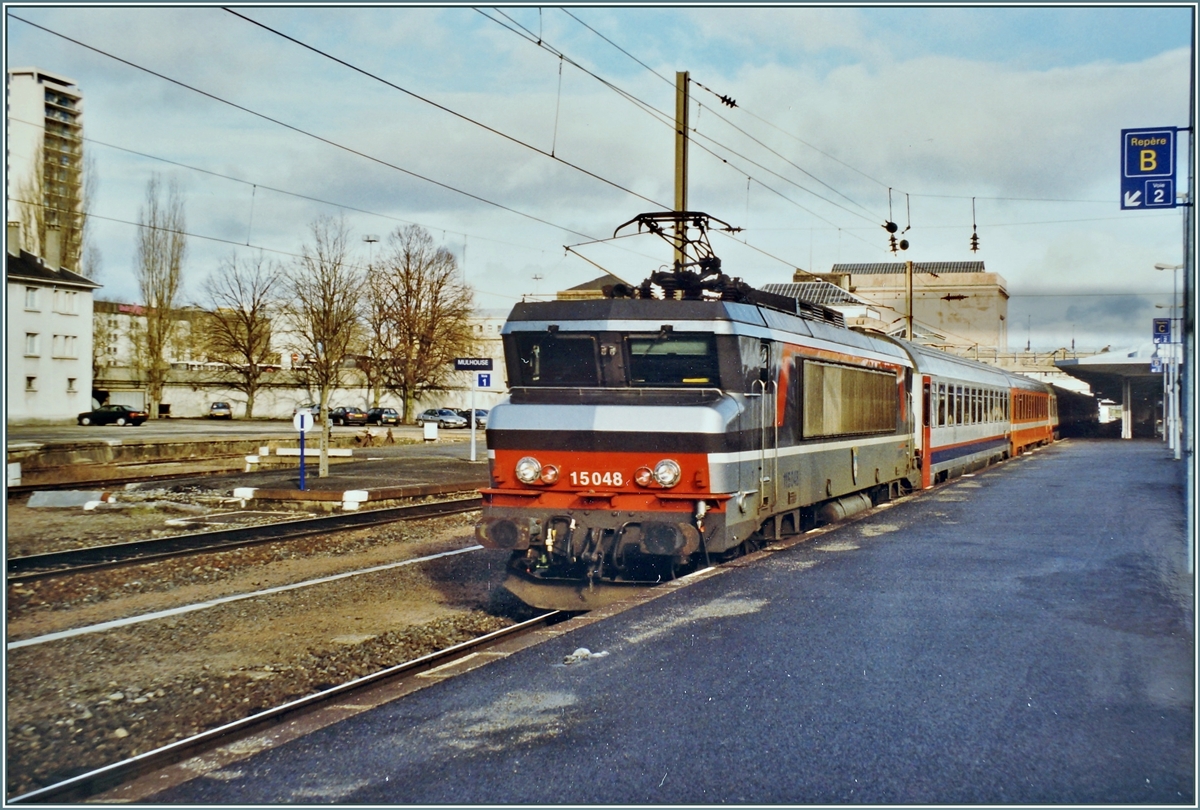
(79, 703)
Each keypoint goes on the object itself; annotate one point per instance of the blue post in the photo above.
(301, 460)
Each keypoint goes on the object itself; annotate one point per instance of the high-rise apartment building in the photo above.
(44, 125)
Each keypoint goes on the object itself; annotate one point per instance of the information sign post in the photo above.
(478, 364)
(303, 422)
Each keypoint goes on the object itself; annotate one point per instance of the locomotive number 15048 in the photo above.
(596, 479)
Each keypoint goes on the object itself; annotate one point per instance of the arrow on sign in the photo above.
(1132, 199)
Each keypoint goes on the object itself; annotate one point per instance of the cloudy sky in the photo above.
(511, 133)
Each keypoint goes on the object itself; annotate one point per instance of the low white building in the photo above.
(49, 319)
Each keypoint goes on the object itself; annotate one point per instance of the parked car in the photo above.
(113, 415)
(444, 417)
(480, 416)
(313, 408)
(348, 416)
(220, 410)
(383, 416)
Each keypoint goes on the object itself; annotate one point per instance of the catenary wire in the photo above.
(443, 108)
(304, 132)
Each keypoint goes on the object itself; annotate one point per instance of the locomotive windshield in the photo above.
(551, 358)
(616, 360)
(670, 359)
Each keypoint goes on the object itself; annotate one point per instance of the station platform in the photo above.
(260, 465)
(1024, 635)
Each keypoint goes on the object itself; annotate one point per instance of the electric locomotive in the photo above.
(694, 418)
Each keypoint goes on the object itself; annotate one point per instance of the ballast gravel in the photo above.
(82, 702)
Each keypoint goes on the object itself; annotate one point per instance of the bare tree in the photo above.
(238, 329)
(59, 196)
(324, 289)
(428, 311)
(161, 248)
(372, 349)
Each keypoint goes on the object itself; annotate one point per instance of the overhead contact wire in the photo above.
(304, 132)
(443, 108)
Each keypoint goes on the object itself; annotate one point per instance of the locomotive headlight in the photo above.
(528, 470)
(643, 476)
(667, 472)
(549, 474)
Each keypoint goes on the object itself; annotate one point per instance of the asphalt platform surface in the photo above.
(1021, 636)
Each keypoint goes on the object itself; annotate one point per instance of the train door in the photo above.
(768, 428)
(926, 433)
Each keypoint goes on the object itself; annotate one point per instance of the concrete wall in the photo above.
(188, 401)
(978, 317)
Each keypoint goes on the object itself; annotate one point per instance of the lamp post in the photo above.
(1172, 371)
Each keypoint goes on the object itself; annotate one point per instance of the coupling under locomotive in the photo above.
(666, 427)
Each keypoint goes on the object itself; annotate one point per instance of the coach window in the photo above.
(941, 420)
(975, 420)
(957, 418)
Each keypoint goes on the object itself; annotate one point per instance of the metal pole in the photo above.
(1176, 432)
(908, 272)
(301, 460)
(474, 388)
(681, 164)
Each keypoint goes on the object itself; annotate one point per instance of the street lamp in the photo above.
(1172, 372)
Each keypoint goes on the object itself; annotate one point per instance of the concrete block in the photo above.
(65, 498)
(14, 474)
(355, 495)
(315, 452)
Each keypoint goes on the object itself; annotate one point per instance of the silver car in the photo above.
(444, 417)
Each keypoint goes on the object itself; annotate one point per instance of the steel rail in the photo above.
(59, 563)
(102, 779)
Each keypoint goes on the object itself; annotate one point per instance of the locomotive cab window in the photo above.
(557, 359)
(670, 359)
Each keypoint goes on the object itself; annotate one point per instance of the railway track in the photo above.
(100, 780)
(60, 563)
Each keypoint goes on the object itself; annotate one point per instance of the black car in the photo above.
(383, 416)
(347, 416)
(112, 415)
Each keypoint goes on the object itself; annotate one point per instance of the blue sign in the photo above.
(1156, 365)
(1162, 330)
(1148, 168)
(485, 380)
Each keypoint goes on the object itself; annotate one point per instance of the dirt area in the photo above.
(77, 703)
